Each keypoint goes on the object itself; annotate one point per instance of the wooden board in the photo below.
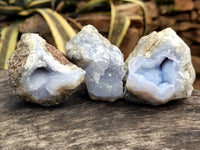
(80, 123)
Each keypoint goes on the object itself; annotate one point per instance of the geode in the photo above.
(41, 74)
(159, 69)
(102, 61)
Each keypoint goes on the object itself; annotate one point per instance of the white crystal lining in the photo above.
(157, 75)
(102, 61)
(46, 77)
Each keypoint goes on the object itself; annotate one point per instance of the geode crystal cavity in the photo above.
(40, 73)
(102, 61)
(159, 69)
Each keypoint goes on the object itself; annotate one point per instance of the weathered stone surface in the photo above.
(186, 40)
(155, 24)
(166, 9)
(192, 35)
(196, 63)
(40, 73)
(151, 12)
(166, 22)
(184, 26)
(136, 21)
(152, 8)
(130, 40)
(197, 5)
(159, 69)
(128, 9)
(95, 19)
(102, 61)
(34, 24)
(198, 18)
(184, 5)
(194, 15)
(195, 49)
(182, 17)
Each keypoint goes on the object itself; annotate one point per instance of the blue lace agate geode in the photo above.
(159, 69)
(102, 61)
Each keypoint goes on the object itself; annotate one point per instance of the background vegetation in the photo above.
(15, 12)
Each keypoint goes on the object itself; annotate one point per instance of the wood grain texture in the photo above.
(80, 123)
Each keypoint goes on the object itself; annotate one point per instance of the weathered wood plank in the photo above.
(80, 123)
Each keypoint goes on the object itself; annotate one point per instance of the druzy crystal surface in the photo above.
(40, 73)
(102, 61)
(159, 69)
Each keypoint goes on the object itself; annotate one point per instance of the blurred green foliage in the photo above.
(19, 10)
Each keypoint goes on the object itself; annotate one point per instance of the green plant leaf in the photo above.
(118, 26)
(3, 3)
(120, 29)
(39, 3)
(10, 10)
(8, 42)
(26, 12)
(10, 2)
(21, 3)
(61, 30)
(142, 6)
(112, 19)
(90, 5)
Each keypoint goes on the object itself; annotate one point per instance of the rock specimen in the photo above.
(40, 73)
(159, 69)
(102, 61)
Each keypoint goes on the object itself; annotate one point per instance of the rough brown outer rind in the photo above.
(146, 47)
(144, 97)
(22, 59)
(57, 54)
(46, 102)
(16, 63)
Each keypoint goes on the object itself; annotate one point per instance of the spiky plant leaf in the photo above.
(8, 42)
(112, 20)
(3, 3)
(61, 30)
(21, 3)
(10, 10)
(90, 5)
(26, 12)
(39, 3)
(120, 29)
